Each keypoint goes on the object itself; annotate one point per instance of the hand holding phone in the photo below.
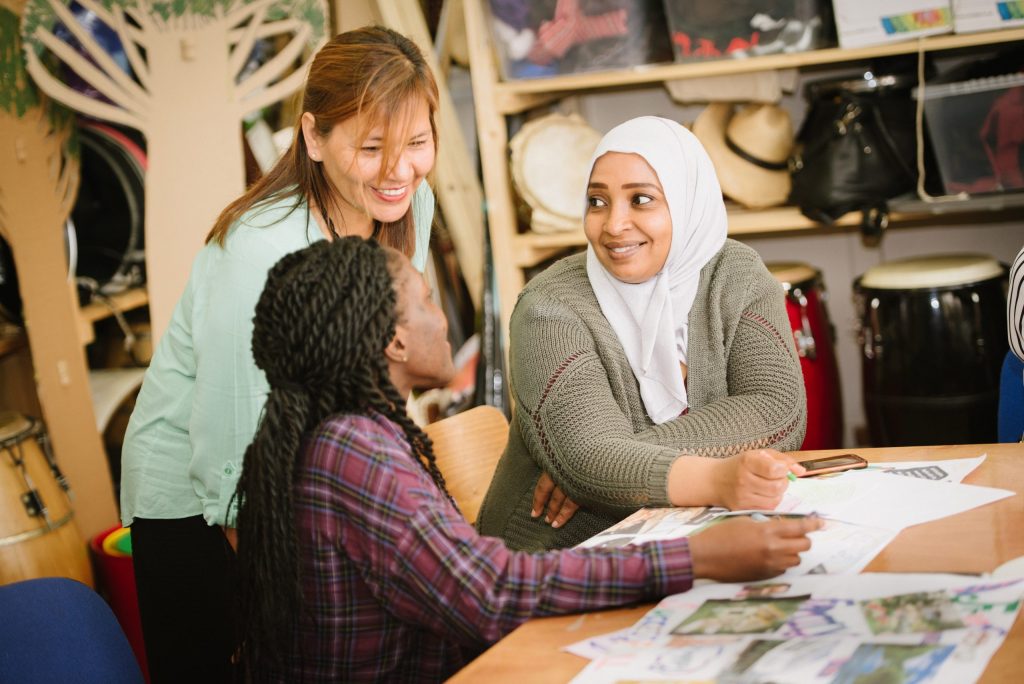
(832, 464)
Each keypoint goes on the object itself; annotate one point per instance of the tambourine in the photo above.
(554, 190)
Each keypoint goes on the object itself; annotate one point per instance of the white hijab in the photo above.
(650, 318)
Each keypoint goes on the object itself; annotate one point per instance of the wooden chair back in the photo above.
(468, 446)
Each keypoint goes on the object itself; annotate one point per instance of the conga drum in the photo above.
(812, 331)
(38, 535)
(933, 338)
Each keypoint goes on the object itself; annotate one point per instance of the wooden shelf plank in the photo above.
(518, 95)
(123, 301)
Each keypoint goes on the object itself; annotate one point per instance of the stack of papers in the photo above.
(820, 623)
(863, 511)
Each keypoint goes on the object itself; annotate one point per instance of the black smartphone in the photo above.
(832, 464)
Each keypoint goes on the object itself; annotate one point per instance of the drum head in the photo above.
(792, 273)
(944, 270)
(109, 211)
(555, 190)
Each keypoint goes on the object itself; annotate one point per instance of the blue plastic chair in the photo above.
(57, 630)
(1011, 399)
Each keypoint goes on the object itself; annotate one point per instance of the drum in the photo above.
(109, 211)
(38, 536)
(933, 338)
(554, 191)
(812, 332)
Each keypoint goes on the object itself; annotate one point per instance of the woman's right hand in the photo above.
(755, 479)
(742, 550)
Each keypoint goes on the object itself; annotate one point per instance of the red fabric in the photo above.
(570, 27)
(1002, 134)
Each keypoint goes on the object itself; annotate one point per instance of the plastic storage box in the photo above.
(537, 38)
(748, 28)
(987, 15)
(875, 22)
(976, 128)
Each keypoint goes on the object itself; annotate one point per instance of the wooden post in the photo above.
(493, 136)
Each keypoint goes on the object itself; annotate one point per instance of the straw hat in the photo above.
(750, 149)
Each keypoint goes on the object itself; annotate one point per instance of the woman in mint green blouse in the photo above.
(364, 144)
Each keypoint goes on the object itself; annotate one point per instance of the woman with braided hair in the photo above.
(355, 564)
(364, 143)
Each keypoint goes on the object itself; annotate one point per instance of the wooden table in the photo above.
(975, 541)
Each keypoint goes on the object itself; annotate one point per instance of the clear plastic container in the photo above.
(976, 128)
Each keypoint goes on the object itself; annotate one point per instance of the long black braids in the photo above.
(322, 323)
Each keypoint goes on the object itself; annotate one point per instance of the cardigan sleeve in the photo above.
(570, 418)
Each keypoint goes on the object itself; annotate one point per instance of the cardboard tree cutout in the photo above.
(187, 94)
(38, 181)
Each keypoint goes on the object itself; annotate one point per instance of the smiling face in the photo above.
(354, 157)
(627, 221)
(421, 334)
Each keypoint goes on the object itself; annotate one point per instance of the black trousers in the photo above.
(186, 578)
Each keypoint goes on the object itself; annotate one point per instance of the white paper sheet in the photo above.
(950, 470)
(878, 499)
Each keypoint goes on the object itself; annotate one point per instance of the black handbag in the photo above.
(855, 149)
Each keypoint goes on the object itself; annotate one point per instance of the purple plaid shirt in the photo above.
(399, 587)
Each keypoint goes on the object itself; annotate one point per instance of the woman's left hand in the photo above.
(560, 508)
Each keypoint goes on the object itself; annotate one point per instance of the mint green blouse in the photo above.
(202, 395)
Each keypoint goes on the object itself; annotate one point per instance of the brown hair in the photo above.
(371, 71)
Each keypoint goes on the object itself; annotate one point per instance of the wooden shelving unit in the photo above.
(495, 99)
(516, 96)
(91, 313)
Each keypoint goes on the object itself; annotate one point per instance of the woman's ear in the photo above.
(311, 136)
(397, 350)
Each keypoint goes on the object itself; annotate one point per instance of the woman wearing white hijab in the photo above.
(664, 344)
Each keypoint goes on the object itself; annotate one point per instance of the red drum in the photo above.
(38, 535)
(812, 331)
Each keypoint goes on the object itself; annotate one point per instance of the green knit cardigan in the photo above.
(578, 411)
